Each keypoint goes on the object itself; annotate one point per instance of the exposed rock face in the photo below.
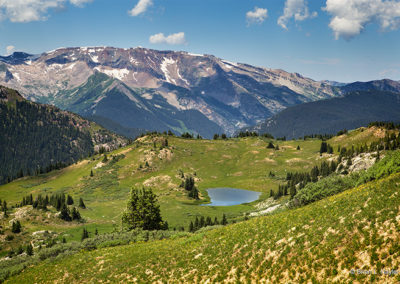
(163, 86)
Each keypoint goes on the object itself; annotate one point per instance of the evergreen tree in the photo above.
(16, 227)
(81, 203)
(91, 173)
(64, 213)
(216, 221)
(191, 227)
(224, 220)
(29, 249)
(323, 148)
(202, 222)
(96, 232)
(70, 200)
(4, 208)
(75, 215)
(270, 145)
(142, 211)
(223, 136)
(196, 224)
(298, 148)
(216, 136)
(194, 193)
(85, 234)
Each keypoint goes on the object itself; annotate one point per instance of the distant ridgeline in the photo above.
(36, 138)
(355, 109)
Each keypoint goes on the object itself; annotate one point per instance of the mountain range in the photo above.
(353, 110)
(138, 88)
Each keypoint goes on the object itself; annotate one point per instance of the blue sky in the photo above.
(322, 39)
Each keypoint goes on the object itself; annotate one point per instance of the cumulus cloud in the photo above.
(80, 3)
(350, 17)
(177, 38)
(24, 11)
(10, 49)
(296, 9)
(257, 16)
(140, 7)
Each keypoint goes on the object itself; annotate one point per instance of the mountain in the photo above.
(158, 90)
(355, 109)
(36, 138)
(378, 85)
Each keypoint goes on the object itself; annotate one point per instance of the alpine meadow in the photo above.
(187, 142)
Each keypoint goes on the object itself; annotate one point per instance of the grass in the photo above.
(239, 163)
(321, 242)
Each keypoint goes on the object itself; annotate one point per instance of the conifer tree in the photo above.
(75, 215)
(142, 211)
(29, 249)
(216, 221)
(16, 227)
(70, 200)
(81, 203)
(91, 173)
(191, 227)
(64, 213)
(224, 221)
(85, 234)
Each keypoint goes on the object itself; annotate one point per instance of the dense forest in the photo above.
(38, 138)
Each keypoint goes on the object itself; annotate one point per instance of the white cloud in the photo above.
(178, 38)
(140, 7)
(10, 49)
(257, 16)
(296, 9)
(24, 11)
(350, 17)
(80, 3)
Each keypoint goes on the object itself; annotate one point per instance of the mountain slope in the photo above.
(229, 95)
(324, 242)
(329, 116)
(36, 138)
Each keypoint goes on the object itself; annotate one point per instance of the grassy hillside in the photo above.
(238, 163)
(244, 163)
(322, 242)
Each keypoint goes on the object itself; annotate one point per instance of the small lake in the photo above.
(226, 196)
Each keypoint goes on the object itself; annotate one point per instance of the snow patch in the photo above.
(164, 68)
(95, 58)
(180, 77)
(229, 64)
(195, 54)
(115, 73)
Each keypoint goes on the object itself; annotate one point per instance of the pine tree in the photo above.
(81, 203)
(298, 148)
(191, 227)
(216, 136)
(91, 173)
(216, 221)
(75, 215)
(323, 148)
(196, 224)
(224, 221)
(70, 200)
(96, 232)
(142, 211)
(85, 234)
(16, 227)
(29, 249)
(64, 213)
(270, 145)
